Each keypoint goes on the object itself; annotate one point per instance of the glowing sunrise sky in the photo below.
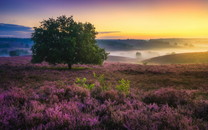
(117, 19)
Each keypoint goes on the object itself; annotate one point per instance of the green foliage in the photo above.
(124, 86)
(83, 83)
(101, 80)
(63, 40)
(145, 63)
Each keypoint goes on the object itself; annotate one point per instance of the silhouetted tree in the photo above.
(138, 54)
(14, 53)
(63, 40)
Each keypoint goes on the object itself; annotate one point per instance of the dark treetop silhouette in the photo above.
(63, 40)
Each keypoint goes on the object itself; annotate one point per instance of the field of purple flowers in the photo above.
(112, 96)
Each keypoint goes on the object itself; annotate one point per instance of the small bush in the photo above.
(51, 93)
(124, 86)
(152, 117)
(83, 83)
(168, 96)
(145, 63)
(111, 95)
(201, 110)
(101, 79)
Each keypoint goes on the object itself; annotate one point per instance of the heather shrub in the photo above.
(153, 117)
(76, 91)
(168, 96)
(15, 97)
(133, 114)
(62, 115)
(34, 114)
(105, 113)
(124, 86)
(200, 110)
(89, 105)
(66, 115)
(96, 91)
(111, 95)
(49, 93)
(9, 117)
(11, 103)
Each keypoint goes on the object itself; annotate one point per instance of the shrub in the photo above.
(67, 115)
(101, 79)
(200, 110)
(124, 86)
(168, 96)
(111, 95)
(83, 83)
(153, 117)
(145, 63)
(54, 94)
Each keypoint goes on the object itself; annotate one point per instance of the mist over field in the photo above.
(121, 50)
(153, 47)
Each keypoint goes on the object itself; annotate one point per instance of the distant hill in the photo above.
(183, 58)
(134, 44)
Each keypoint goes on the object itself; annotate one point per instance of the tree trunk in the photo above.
(70, 66)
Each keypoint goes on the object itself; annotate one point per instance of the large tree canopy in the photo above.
(63, 40)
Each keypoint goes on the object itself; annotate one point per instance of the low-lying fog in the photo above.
(146, 54)
(145, 49)
(129, 48)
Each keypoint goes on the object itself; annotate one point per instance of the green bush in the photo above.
(124, 86)
(83, 83)
(101, 79)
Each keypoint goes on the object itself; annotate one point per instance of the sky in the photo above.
(113, 19)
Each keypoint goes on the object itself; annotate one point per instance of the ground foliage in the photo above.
(50, 97)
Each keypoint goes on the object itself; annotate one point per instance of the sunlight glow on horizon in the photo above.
(133, 21)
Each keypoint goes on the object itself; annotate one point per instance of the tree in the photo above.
(63, 40)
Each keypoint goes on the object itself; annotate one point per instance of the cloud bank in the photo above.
(13, 30)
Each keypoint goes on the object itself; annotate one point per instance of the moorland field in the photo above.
(111, 96)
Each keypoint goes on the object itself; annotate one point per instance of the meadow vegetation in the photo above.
(111, 96)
